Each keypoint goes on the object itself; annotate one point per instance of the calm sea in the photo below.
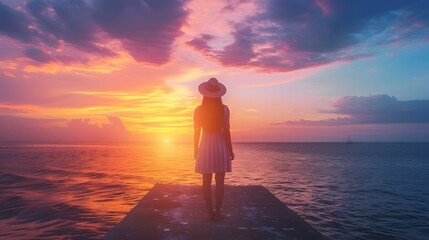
(346, 191)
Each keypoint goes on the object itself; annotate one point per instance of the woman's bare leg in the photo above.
(220, 183)
(207, 191)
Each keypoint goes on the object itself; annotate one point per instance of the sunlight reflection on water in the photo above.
(345, 191)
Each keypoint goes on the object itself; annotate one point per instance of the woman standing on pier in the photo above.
(214, 153)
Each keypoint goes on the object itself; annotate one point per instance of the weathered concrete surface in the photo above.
(178, 212)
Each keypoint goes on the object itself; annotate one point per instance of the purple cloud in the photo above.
(240, 52)
(15, 24)
(287, 35)
(30, 129)
(42, 56)
(38, 55)
(324, 122)
(146, 29)
(59, 21)
(201, 43)
(374, 109)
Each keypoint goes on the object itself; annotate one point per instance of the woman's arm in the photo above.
(227, 136)
(197, 131)
(196, 142)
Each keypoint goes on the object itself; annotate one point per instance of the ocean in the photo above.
(345, 191)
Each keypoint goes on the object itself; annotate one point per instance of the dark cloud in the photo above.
(231, 5)
(383, 109)
(14, 24)
(238, 53)
(324, 122)
(69, 21)
(287, 35)
(325, 26)
(305, 26)
(375, 109)
(201, 43)
(38, 55)
(30, 129)
(241, 51)
(146, 29)
(42, 56)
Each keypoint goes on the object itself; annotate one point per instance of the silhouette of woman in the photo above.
(214, 153)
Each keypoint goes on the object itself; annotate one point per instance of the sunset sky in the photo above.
(302, 70)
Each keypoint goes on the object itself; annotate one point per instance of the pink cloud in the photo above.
(323, 5)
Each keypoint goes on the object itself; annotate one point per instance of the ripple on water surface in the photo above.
(358, 191)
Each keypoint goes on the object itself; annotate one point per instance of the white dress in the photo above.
(213, 154)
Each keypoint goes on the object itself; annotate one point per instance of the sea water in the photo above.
(346, 191)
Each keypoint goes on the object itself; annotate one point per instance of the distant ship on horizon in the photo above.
(349, 140)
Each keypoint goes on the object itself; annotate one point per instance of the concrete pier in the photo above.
(179, 212)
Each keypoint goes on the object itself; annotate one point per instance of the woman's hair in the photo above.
(212, 114)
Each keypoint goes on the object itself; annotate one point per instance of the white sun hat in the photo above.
(212, 88)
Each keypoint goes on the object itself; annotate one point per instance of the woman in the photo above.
(214, 153)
